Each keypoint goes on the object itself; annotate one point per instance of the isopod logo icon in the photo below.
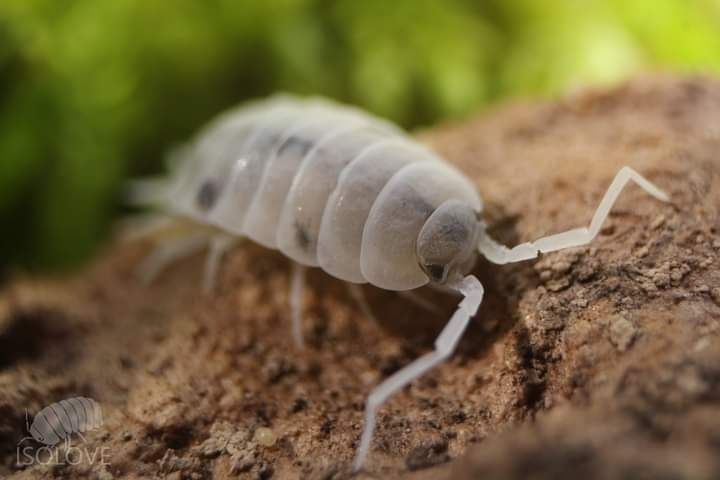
(59, 422)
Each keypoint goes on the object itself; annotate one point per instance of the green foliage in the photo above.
(92, 91)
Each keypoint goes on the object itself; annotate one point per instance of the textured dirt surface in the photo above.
(598, 362)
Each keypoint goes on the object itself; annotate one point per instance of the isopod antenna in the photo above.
(501, 254)
(27, 426)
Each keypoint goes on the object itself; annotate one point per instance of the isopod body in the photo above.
(60, 420)
(328, 186)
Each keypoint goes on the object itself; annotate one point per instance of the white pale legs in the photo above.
(219, 245)
(171, 250)
(297, 290)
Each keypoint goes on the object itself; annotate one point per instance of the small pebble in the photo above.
(658, 222)
(579, 302)
(561, 266)
(649, 288)
(676, 275)
(243, 462)
(266, 472)
(622, 332)
(265, 437)
(428, 455)
(559, 284)
(608, 229)
(661, 279)
(701, 344)
(715, 294)
(104, 474)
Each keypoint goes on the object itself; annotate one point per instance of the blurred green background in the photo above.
(95, 91)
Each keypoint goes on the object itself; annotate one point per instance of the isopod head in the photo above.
(43, 432)
(446, 244)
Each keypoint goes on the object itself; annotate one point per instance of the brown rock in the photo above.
(193, 375)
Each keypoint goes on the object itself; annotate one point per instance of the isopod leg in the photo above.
(297, 290)
(445, 344)
(357, 294)
(168, 252)
(218, 247)
(419, 301)
(500, 254)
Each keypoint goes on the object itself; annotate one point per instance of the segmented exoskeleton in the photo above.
(333, 187)
(60, 420)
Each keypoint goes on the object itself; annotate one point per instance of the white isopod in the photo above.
(60, 420)
(333, 187)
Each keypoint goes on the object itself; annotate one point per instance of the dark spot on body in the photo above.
(302, 236)
(207, 195)
(301, 145)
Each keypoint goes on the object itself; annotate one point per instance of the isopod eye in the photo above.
(207, 195)
(447, 241)
(35, 432)
(437, 273)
